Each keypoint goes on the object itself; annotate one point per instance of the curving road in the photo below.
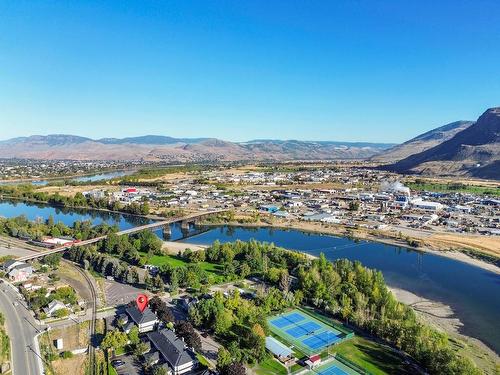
(22, 330)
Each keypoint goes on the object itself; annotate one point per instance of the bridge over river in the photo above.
(185, 221)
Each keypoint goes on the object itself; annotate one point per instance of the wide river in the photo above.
(89, 178)
(472, 293)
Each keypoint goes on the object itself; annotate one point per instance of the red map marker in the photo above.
(142, 302)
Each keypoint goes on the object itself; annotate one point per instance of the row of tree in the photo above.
(343, 289)
(21, 227)
(29, 192)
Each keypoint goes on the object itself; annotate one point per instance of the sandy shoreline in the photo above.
(443, 318)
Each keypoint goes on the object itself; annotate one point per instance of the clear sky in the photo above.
(238, 70)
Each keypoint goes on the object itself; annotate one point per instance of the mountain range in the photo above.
(422, 142)
(472, 151)
(169, 149)
(461, 148)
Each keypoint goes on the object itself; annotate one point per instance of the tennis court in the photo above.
(333, 367)
(304, 331)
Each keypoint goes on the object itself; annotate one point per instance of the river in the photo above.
(90, 178)
(472, 293)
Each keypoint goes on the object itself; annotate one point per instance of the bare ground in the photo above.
(170, 247)
(73, 366)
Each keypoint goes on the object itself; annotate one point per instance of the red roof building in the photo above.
(315, 358)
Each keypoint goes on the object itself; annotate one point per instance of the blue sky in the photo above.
(238, 70)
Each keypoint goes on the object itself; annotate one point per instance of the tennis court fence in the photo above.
(347, 333)
(351, 364)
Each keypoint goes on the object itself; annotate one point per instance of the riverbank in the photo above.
(341, 231)
(442, 317)
(65, 177)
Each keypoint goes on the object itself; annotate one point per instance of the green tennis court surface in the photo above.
(304, 331)
(333, 367)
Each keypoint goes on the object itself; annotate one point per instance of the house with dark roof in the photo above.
(10, 264)
(173, 351)
(146, 321)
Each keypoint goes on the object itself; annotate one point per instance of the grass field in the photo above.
(175, 261)
(454, 188)
(270, 367)
(373, 357)
(4, 346)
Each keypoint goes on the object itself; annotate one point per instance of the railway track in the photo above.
(93, 302)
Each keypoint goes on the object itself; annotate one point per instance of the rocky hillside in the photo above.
(422, 142)
(168, 149)
(474, 151)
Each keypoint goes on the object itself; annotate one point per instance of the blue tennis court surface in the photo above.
(332, 371)
(287, 320)
(304, 330)
(321, 340)
(333, 367)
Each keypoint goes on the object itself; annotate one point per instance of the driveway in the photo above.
(131, 367)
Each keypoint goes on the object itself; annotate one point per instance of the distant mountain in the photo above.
(169, 149)
(422, 142)
(50, 140)
(382, 146)
(149, 140)
(474, 151)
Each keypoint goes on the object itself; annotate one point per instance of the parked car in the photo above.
(117, 363)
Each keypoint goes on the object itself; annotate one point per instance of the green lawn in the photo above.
(203, 361)
(175, 261)
(111, 370)
(270, 367)
(374, 358)
(455, 188)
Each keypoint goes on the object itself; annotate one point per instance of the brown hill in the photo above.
(474, 151)
(422, 142)
(168, 149)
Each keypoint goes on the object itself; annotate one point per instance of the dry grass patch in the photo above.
(73, 366)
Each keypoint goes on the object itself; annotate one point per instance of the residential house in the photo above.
(9, 264)
(20, 272)
(173, 351)
(53, 306)
(146, 321)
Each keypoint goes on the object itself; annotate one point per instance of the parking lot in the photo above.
(130, 367)
(118, 293)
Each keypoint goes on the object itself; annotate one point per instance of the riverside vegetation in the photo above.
(341, 289)
(29, 193)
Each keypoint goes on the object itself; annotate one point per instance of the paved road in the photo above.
(14, 250)
(21, 328)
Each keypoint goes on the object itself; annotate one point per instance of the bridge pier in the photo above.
(185, 225)
(167, 232)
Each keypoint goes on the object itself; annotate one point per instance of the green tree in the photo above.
(133, 335)
(114, 340)
(223, 358)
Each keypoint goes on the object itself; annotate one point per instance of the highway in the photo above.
(22, 329)
(154, 225)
